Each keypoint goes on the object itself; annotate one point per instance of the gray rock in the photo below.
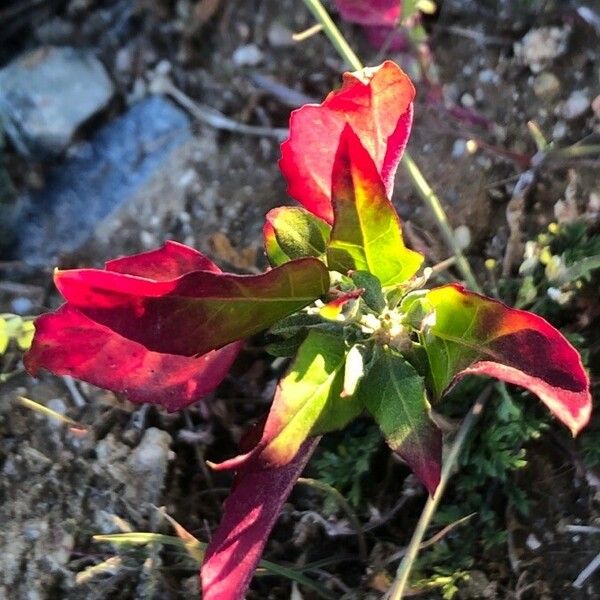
(541, 46)
(576, 105)
(546, 86)
(147, 467)
(47, 94)
(100, 180)
(249, 55)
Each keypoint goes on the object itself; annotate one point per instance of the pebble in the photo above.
(462, 235)
(459, 148)
(249, 55)
(47, 94)
(541, 46)
(533, 543)
(279, 35)
(21, 305)
(148, 466)
(488, 76)
(596, 106)
(467, 100)
(124, 60)
(559, 130)
(576, 105)
(546, 86)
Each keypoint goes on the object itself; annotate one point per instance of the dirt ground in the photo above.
(61, 484)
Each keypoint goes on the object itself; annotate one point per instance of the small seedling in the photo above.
(344, 295)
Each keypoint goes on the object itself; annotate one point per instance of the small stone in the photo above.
(47, 94)
(489, 76)
(279, 35)
(21, 305)
(546, 86)
(148, 467)
(596, 106)
(576, 105)
(249, 55)
(559, 130)
(459, 148)
(124, 60)
(467, 100)
(462, 235)
(57, 405)
(541, 46)
(533, 543)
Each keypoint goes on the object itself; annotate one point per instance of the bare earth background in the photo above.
(181, 178)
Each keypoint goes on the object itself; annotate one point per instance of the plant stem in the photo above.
(399, 587)
(419, 182)
(335, 36)
(344, 505)
(435, 206)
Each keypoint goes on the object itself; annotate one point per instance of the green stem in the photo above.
(400, 583)
(335, 36)
(344, 505)
(435, 206)
(419, 182)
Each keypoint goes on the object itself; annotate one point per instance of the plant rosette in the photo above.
(345, 299)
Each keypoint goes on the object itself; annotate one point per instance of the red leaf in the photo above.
(68, 343)
(169, 262)
(250, 512)
(377, 104)
(370, 12)
(196, 312)
(380, 36)
(474, 334)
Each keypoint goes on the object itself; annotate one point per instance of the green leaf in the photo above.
(24, 336)
(373, 295)
(293, 232)
(366, 234)
(394, 393)
(308, 399)
(287, 347)
(4, 337)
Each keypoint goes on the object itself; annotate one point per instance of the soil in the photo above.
(61, 484)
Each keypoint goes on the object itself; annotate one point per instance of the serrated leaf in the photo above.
(394, 393)
(366, 234)
(473, 334)
(292, 232)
